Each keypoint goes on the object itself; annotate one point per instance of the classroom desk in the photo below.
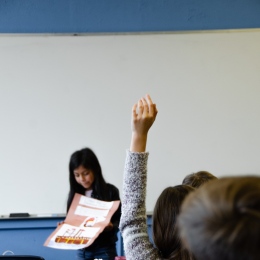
(25, 236)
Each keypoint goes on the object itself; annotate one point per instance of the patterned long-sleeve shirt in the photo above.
(133, 219)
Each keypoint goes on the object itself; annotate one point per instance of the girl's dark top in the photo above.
(108, 238)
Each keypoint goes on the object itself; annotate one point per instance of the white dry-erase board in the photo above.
(61, 93)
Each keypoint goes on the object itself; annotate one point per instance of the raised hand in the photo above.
(143, 116)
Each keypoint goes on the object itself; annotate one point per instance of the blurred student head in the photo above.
(198, 178)
(165, 233)
(221, 220)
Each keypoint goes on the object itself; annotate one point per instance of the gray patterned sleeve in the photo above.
(133, 219)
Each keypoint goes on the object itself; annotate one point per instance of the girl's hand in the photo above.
(143, 116)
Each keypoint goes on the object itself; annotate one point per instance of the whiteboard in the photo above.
(60, 93)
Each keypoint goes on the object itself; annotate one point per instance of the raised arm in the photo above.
(143, 116)
(133, 224)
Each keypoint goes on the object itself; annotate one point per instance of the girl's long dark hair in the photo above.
(86, 158)
(165, 233)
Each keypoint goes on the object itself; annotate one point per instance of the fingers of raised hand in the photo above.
(140, 107)
(144, 108)
(143, 115)
(134, 113)
(152, 110)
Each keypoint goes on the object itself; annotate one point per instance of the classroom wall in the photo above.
(103, 16)
(54, 90)
(62, 93)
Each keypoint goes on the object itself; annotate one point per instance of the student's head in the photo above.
(198, 178)
(221, 220)
(85, 173)
(166, 210)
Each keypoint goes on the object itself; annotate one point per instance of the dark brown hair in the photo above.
(88, 159)
(198, 178)
(165, 234)
(221, 220)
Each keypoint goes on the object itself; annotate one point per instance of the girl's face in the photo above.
(84, 177)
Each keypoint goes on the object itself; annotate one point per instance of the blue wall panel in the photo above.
(27, 236)
(103, 16)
